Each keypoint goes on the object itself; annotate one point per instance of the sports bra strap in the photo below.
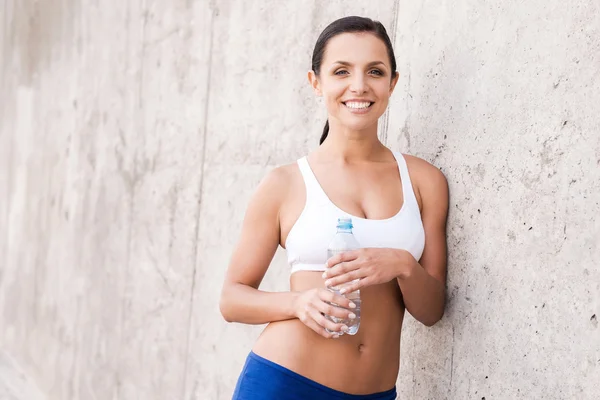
(407, 188)
(314, 191)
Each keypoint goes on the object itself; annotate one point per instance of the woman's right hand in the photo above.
(311, 306)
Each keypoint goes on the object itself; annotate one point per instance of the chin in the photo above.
(358, 126)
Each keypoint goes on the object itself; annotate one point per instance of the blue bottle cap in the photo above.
(345, 223)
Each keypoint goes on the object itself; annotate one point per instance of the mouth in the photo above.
(358, 106)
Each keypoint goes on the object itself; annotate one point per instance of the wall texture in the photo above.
(133, 133)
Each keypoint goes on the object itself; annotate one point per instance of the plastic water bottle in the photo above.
(343, 241)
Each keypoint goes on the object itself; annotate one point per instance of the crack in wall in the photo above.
(212, 9)
(131, 185)
(386, 118)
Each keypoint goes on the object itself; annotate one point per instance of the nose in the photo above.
(358, 84)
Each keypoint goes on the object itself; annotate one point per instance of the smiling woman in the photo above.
(376, 68)
(398, 204)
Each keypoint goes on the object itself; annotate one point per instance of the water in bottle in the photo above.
(343, 241)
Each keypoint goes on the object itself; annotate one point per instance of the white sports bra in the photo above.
(307, 241)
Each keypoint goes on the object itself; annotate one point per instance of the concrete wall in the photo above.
(133, 133)
(15, 384)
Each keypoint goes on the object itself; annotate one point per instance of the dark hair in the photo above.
(349, 25)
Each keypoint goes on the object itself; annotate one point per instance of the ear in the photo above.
(314, 82)
(394, 81)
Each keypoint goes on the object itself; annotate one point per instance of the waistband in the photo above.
(327, 391)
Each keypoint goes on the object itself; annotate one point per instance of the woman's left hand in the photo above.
(371, 266)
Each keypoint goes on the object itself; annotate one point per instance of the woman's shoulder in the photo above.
(429, 181)
(280, 176)
(272, 190)
(423, 169)
(278, 180)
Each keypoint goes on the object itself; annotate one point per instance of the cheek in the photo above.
(333, 91)
(332, 98)
(383, 90)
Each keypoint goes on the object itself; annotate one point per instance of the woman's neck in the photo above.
(351, 146)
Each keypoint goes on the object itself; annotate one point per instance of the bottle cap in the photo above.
(345, 223)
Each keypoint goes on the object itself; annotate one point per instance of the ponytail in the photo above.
(325, 132)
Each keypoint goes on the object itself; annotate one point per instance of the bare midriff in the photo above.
(364, 363)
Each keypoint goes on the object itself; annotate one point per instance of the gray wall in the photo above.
(133, 133)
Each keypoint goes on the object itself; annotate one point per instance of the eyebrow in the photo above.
(371, 64)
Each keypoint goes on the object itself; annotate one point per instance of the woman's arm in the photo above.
(423, 285)
(241, 301)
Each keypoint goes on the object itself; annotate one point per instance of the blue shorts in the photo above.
(262, 379)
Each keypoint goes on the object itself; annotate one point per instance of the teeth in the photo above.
(357, 105)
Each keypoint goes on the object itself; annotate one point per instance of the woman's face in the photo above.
(355, 80)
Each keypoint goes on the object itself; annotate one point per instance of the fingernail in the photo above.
(342, 291)
(351, 315)
(335, 336)
(324, 275)
(352, 305)
(344, 328)
(327, 283)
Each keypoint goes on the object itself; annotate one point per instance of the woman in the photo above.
(398, 205)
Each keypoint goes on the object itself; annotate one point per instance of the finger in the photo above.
(355, 285)
(325, 324)
(331, 297)
(344, 278)
(306, 319)
(318, 329)
(342, 257)
(335, 311)
(341, 268)
(333, 261)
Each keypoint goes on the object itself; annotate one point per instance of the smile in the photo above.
(358, 106)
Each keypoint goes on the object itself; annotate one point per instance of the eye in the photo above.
(377, 72)
(341, 72)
